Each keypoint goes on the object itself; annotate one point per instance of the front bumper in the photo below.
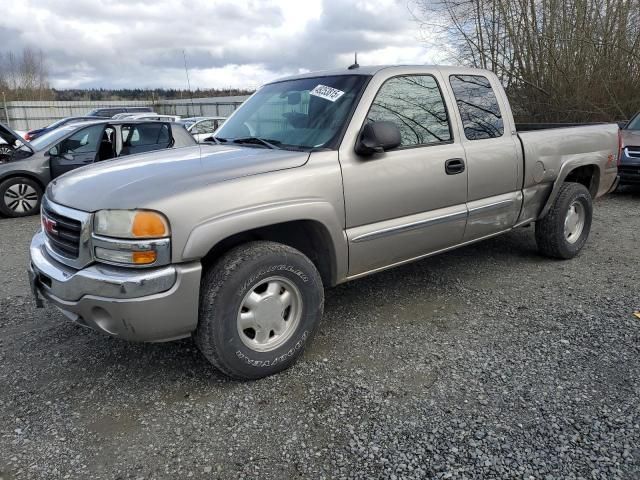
(150, 305)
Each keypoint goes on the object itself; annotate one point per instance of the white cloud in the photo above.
(241, 43)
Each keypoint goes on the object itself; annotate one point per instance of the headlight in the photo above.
(131, 238)
(131, 224)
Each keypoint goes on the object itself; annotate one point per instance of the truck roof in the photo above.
(370, 70)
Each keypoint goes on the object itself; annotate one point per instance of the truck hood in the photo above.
(139, 180)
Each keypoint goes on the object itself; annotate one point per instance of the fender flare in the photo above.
(565, 170)
(211, 232)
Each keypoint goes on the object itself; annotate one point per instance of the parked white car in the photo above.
(202, 128)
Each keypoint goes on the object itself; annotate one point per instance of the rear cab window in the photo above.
(478, 106)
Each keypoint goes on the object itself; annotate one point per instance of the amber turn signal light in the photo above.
(143, 258)
(149, 225)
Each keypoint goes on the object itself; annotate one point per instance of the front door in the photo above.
(405, 203)
(78, 149)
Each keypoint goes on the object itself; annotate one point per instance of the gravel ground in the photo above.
(487, 362)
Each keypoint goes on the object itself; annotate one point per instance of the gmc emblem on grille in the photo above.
(48, 225)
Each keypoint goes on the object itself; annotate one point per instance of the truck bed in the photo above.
(548, 152)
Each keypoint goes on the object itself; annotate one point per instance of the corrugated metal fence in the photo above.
(26, 115)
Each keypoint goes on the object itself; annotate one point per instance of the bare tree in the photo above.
(25, 76)
(574, 60)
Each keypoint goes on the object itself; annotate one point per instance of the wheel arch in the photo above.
(26, 174)
(318, 234)
(308, 236)
(586, 172)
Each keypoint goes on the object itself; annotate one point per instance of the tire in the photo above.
(5, 151)
(260, 304)
(20, 197)
(561, 236)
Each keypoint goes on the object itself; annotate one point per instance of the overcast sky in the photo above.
(239, 43)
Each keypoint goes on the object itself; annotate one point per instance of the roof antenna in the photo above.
(186, 70)
(355, 63)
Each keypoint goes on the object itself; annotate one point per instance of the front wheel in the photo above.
(259, 306)
(564, 230)
(19, 197)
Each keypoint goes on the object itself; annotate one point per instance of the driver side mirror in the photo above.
(378, 137)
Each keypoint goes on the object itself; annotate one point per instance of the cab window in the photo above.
(478, 106)
(415, 104)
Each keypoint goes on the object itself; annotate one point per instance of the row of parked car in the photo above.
(30, 160)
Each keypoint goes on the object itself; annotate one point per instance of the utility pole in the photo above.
(6, 112)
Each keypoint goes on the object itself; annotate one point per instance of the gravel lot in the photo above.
(487, 362)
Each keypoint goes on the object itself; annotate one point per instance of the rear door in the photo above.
(404, 203)
(78, 149)
(493, 155)
(145, 137)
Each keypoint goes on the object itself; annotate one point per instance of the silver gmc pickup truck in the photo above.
(317, 179)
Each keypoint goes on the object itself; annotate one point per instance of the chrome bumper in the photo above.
(145, 305)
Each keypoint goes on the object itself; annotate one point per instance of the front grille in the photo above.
(624, 169)
(63, 233)
(633, 152)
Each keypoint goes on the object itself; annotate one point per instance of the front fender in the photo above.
(208, 234)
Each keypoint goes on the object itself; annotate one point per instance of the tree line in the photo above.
(560, 60)
(24, 76)
(144, 93)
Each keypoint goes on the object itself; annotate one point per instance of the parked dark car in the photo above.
(36, 132)
(108, 112)
(27, 167)
(629, 160)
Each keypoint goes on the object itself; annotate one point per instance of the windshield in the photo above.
(303, 113)
(634, 124)
(52, 136)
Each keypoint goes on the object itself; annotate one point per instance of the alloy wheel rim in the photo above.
(21, 198)
(269, 314)
(574, 222)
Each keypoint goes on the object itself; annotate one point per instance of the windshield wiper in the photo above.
(257, 140)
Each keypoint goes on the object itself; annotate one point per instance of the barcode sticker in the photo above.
(328, 93)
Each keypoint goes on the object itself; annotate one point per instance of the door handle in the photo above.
(453, 166)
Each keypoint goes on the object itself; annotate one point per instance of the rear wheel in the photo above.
(19, 197)
(259, 306)
(564, 230)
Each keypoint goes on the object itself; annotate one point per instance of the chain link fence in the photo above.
(27, 115)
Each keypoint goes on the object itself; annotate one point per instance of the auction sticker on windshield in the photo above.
(328, 93)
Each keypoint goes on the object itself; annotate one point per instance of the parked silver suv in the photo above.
(317, 179)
